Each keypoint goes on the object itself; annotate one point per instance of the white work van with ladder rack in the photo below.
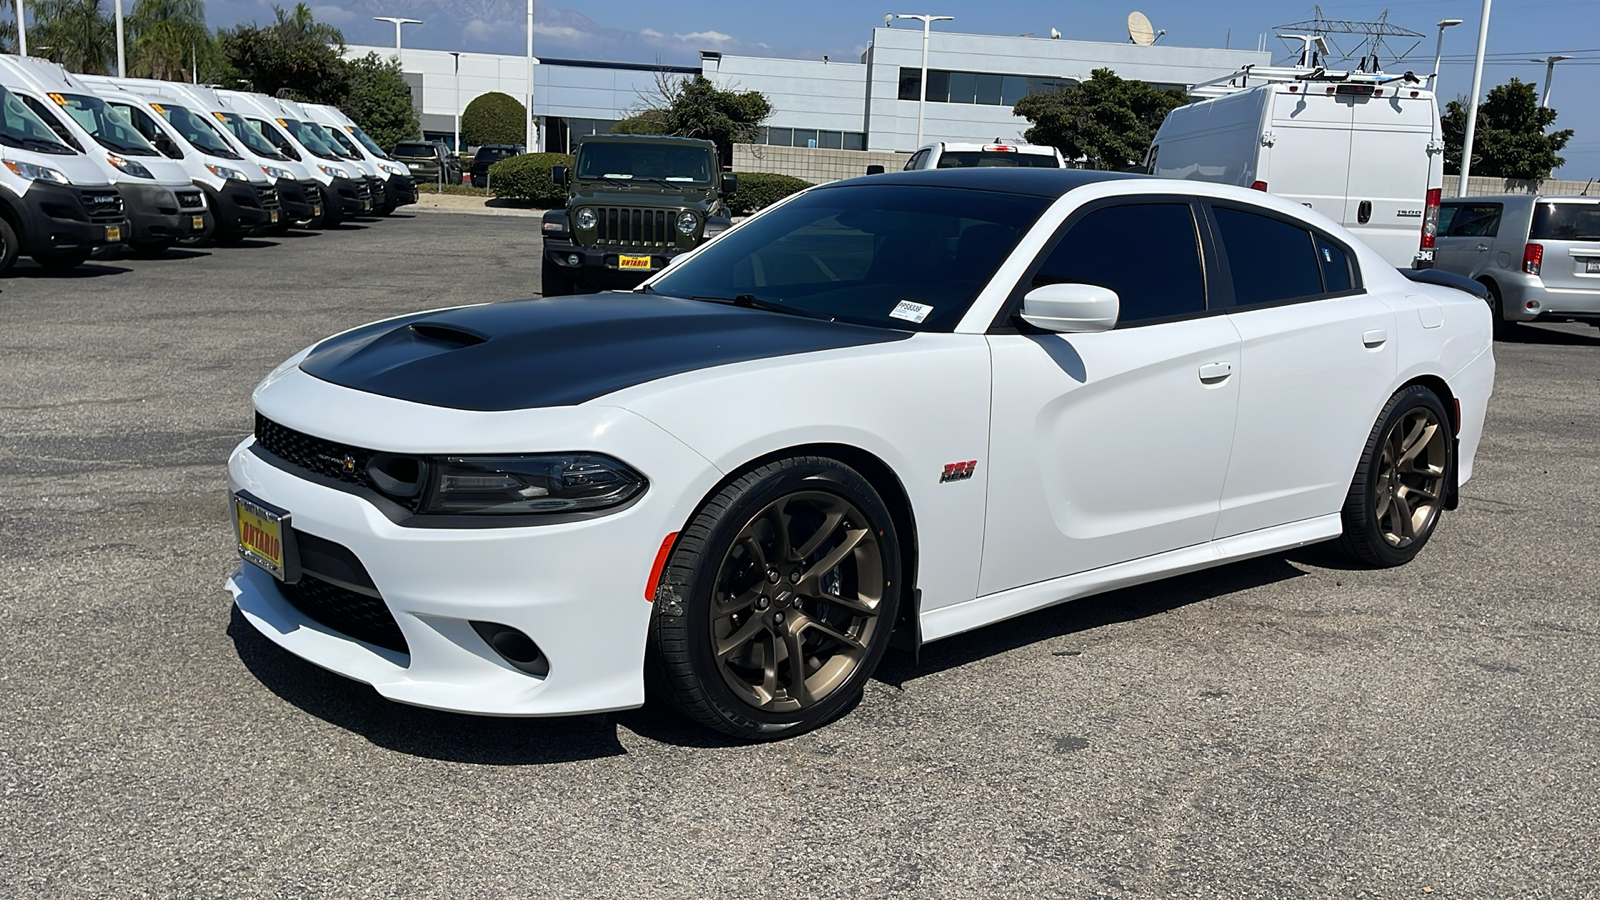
(1363, 148)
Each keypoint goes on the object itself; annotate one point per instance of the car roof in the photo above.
(1037, 182)
(968, 147)
(643, 137)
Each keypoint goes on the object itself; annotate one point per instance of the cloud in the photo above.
(715, 37)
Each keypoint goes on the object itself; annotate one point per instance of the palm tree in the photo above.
(298, 25)
(166, 36)
(80, 36)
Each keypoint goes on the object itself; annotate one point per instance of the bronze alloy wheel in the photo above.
(795, 602)
(1410, 479)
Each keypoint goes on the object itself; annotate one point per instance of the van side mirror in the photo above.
(874, 170)
(1071, 308)
(558, 174)
(168, 147)
(730, 182)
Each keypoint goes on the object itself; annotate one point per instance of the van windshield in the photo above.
(196, 130)
(261, 138)
(1566, 222)
(111, 127)
(367, 142)
(646, 161)
(340, 143)
(309, 137)
(21, 129)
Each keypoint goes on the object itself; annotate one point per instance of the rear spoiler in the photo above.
(1447, 279)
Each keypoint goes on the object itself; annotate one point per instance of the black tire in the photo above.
(332, 215)
(9, 248)
(63, 260)
(1383, 491)
(553, 281)
(1504, 329)
(835, 621)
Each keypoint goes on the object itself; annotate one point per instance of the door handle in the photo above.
(1211, 373)
(1377, 337)
(1482, 247)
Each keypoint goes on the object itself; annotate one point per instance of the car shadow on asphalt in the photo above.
(1533, 334)
(480, 740)
(1088, 613)
(92, 269)
(171, 254)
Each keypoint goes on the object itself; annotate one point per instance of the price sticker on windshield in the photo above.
(910, 311)
(60, 100)
(220, 117)
(157, 108)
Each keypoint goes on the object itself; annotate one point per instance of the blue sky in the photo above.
(635, 30)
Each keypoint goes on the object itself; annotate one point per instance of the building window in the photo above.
(812, 137)
(981, 88)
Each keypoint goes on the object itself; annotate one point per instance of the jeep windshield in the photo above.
(893, 256)
(644, 162)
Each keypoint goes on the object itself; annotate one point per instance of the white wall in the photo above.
(805, 93)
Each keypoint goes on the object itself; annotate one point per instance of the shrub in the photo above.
(494, 118)
(759, 190)
(527, 178)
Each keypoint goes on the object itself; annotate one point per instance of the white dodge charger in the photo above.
(887, 409)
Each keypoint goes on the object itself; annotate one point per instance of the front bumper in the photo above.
(241, 208)
(600, 267)
(59, 218)
(576, 588)
(354, 197)
(158, 214)
(301, 200)
(400, 190)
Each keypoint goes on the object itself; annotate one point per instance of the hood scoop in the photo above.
(444, 333)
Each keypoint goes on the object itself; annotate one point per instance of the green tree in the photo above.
(1107, 119)
(75, 33)
(694, 107)
(380, 101)
(1512, 139)
(651, 121)
(494, 118)
(294, 53)
(168, 39)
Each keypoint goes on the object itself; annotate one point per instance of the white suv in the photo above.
(971, 156)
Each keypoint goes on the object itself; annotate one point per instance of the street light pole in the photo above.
(532, 130)
(1438, 53)
(1549, 73)
(457, 102)
(22, 32)
(122, 54)
(922, 98)
(1472, 105)
(398, 21)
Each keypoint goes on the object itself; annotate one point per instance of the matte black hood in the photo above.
(563, 351)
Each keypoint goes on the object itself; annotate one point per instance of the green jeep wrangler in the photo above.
(633, 203)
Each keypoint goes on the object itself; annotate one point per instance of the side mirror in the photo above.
(874, 170)
(558, 174)
(1071, 308)
(730, 182)
(168, 147)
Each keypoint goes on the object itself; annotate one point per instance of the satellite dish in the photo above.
(1055, 35)
(1139, 29)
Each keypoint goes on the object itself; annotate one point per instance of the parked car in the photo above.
(907, 405)
(488, 155)
(427, 160)
(1538, 255)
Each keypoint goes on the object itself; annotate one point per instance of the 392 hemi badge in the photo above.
(960, 471)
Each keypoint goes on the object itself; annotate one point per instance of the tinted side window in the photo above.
(1476, 220)
(1447, 214)
(1148, 253)
(916, 160)
(1335, 266)
(1271, 260)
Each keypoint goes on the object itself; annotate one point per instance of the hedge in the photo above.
(494, 118)
(759, 190)
(527, 178)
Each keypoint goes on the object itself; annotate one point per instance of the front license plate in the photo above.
(316, 211)
(366, 206)
(272, 215)
(113, 233)
(199, 223)
(633, 262)
(1591, 267)
(260, 534)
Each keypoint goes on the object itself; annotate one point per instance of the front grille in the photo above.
(347, 612)
(268, 197)
(188, 200)
(648, 227)
(329, 458)
(104, 207)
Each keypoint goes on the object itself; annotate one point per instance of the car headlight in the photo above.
(334, 172)
(687, 221)
(277, 174)
(508, 485)
(225, 172)
(37, 173)
(129, 166)
(586, 218)
(393, 169)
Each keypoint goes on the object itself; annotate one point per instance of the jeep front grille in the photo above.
(646, 227)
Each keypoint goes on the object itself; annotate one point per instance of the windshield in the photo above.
(644, 161)
(249, 135)
(494, 154)
(111, 127)
(196, 130)
(341, 144)
(892, 256)
(413, 150)
(1565, 222)
(309, 138)
(367, 142)
(983, 159)
(20, 128)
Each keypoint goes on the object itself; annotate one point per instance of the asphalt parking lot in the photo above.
(1281, 727)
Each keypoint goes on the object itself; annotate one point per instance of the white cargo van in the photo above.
(398, 187)
(243, 201)
(1364, 149)
(345, 191)
(56, 204)
(161, 203)
(365, 169)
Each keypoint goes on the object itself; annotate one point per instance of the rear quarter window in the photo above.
(1271, 260)
(1565, 222)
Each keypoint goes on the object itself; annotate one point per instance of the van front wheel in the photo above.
(8, 246)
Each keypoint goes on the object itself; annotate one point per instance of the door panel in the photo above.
(1106, 447)
(1307, 162)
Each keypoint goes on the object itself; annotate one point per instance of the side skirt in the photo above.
(985, 610)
